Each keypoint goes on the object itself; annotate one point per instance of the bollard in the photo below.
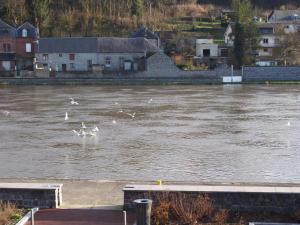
(143, 211)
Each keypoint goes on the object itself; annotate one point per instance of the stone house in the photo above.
(92, 55)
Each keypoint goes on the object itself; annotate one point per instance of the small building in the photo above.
(92, 54)
(206, 48)
(210, 54)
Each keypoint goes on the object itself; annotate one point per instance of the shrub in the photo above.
(190, 211)
(221, 216)
(7, 211)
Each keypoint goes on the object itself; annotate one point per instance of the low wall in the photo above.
(112, 81)
(32, 195)
(235, 198)
(258, 74)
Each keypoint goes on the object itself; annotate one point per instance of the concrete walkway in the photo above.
(84, 193)
(81, 217)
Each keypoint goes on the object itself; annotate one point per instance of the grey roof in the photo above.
(145, 33)
(125, 45)
(32, 31)
(67, 45)
(283, 15)
(6, 29)
(95, 45)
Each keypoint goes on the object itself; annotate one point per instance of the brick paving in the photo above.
(81, 217)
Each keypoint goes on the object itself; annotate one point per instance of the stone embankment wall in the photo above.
(237, 201)
(260, 74)
(30, 197)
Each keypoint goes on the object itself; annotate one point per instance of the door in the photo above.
(64, 67)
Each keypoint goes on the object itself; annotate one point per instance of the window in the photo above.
(224, 52)
(28, 48)
(265, 50)
(72, 56)
(72, 66)
(6, 47)
(107, 61)
(206, 52)
(121, 60)
(60, 55)
(266, 41)
(24, 33)
(45, 57)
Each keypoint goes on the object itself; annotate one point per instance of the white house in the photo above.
(206, 48)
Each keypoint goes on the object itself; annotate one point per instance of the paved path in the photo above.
(81, 217)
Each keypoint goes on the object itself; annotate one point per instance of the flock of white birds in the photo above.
(84, 131)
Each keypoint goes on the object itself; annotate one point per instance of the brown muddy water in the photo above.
(185, 133)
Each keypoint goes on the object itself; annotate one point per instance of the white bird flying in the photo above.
(95, 129)
(76, 132)
(131, 115)
(66, 116)
(73, 102)
(6, 113)
(83, 125)
(114, 122)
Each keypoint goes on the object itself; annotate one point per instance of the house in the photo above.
(209, 53)
(92, 54)
(16, 47)
(289, 19)
(268, 41)
(206, 48)
(7, 47)
(143, 32)
(25, 46)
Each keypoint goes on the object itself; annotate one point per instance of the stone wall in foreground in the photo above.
(234, 201)
(31, 197)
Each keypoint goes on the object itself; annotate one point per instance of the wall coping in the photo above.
(213, 188)
(30, 186)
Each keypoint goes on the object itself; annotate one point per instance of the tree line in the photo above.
(266, 4)
(87, 17)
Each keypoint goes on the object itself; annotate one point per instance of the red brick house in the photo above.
(7, 47)
(16, 47)
(25, 46)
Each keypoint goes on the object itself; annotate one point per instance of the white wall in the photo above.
(212, 47)
(81, 60)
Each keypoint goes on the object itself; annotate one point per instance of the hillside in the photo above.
(266, 4)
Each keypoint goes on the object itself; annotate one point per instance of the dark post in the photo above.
(143, 211)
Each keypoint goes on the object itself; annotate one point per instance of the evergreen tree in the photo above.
(239, 45)
(246, 33)
(137, 8)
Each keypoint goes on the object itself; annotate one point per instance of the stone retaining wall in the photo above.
(258, 74)
(30, 197)
(233, 200)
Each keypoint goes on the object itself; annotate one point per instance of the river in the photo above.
(234, 133)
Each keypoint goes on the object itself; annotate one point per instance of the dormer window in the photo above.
(24, 33)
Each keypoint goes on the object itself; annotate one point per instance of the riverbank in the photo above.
(109, 194)
(112, 81)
